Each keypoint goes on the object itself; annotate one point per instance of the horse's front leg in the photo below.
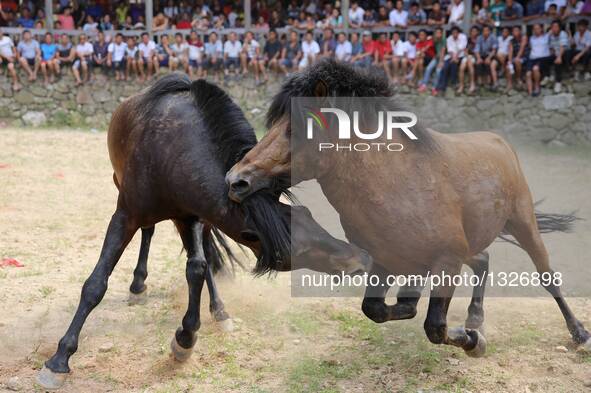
(119, 233)
(191, 232)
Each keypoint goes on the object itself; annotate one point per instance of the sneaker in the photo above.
(422, 88)
(577, 76)
(557, 88)
(588, 76)
(434, 92)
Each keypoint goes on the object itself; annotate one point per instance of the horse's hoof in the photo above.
(49, 380)
(227, 325)
(179, 353)
(480, 349)
(586, 346)
(137, 298)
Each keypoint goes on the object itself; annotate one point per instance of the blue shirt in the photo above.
(26, 23)
(48, 51)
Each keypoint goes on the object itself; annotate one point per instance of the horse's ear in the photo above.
(321, 89)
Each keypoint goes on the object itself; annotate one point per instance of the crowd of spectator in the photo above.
(190, 36)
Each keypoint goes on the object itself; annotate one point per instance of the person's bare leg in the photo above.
(76, 73)
(461, 73)
(23, 62)
(529, 81)
(44, 72)
(13, 74)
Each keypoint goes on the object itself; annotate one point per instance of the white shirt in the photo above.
(310, 48)
(196, 52)
(179, 50)
(411, 50)
(504, 44)
(232, 49)
(456, 14)
(6, 46)
(85, 49)
(540, 46)
(584, 41)
(131, 52)
(457, 46)
(146, 49)
(356, 16)
(398, 18)
(343, 51)
(252, 48)
(398, 48)
(559, 4)
(117, 51)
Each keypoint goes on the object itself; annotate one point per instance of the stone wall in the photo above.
(561, 119)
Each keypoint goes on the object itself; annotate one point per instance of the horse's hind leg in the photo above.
(479, 265)
(119, 233)
(523, 227)
(191, 232)
(216, 305)
(138, 286)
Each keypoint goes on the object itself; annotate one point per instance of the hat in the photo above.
(366, 32)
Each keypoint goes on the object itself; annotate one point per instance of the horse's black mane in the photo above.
(234, 137)
(342, 80)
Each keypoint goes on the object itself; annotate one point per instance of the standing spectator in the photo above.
(146, 54)
(232, 49)
(416, 16)
(456, 49)
(66, 19)
(436, 16)
(439, 45)
(291, 53)
(83, 55)
(163, 54)
(101, 51)
(534, 9)
(180, 53)
(116, 56)
(251, 53)
(398, 16)
(513, 10)
(486, 63)
(398, 58)
(25, 20)
(497, 8)
(581, 53)
(196, 50)
(519, 53)
(8, 56)
(310, 50)
(456, 12)
(539, 57)
(344, 49)
(468, 62)
(29, 55)
(328, 43)
(559, 43)
(171, 10)
(121, 12)
(49, 63)
(425, 53)
(214, 55)
(272, 52)
(355, 15)
(504, 55)
(131, 58)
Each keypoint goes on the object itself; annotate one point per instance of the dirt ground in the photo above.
(56, 197)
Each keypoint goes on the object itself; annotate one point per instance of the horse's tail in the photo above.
(219, 251)
(547, 223)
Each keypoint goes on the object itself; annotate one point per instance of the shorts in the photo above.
(542, 63)
(482, 69)
(119, 65)
(31, 62)
(466, 59)
(194, 63)
(287, 63)
(209, 64)
(164, 62)
(78, 63)
(232, 61)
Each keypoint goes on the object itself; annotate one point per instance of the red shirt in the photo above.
(383, 48)
(183, 24)
(368, 47)
(426, 47)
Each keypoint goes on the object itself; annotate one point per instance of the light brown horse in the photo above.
(432, 207)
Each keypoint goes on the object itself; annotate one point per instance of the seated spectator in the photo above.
(573, 8)
(328, 43)
(132, 59)
(232, 49)
(559, 44)
(291, 54)
(128, 23)
(411, 57)
(25, 20)
(121, 12)
(383, 18)
(184, 22)
(456, 12)
(29, 55)
(261, 24)
(146, 53)
(180, 53)
(369, 19)
(356, 47)
(196, 51)
(534, 9)
(469, 62)
(93, 9)
(344, 49)
(438, 58)
(106, 24)
(83, 57)
(486, 63)
(559, 4)
(162, 55)
(382, 51)
(160, 22)
(272, 52)
(484, 16)
(398, 59)
(416, 16)
(436, 16)
(456, 45)
(365, 57)
(425, 53)
(581, 52)
(101, 51)
(251, 53)
(40, 18)
(539, 59)
(310, 50)
(8, 56)
(552, 11)
(171, 10)
(65, 51)
(513, 10)
(49, 63)
(518, 54)
(214, 55)
(503, 55)
(275, 21)
(116, 57)
(398, 16)
(355, 15)
(91, 26)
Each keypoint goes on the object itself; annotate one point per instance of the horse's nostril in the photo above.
(240, 186)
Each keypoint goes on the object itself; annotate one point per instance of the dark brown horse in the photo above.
(170, 148)
(432, 207)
